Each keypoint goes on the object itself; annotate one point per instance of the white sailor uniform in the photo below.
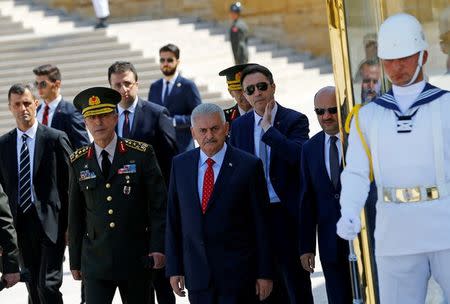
(101, 8)
(410, 148)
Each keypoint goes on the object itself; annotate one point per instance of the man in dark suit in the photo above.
(276, 135)
(34, 162)
(117, 207)
(242, 106)
(56, 112)
(142, 120)
(9, 258)
(178, 94)
(217, 245)
(320, 209)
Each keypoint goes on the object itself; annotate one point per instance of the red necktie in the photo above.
(208, 184)
(45, 116)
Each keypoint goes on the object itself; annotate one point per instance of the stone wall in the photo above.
(301, 24)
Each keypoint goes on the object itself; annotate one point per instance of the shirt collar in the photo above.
(327, 137)
(217, 158)
(110, 148)
(414, 89)
(258, 118)
(242, 111)
(54, 103)
(172, 80)
(31, 132)
(131, 109)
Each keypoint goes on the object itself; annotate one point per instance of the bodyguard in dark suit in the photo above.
(178, 94)
(150, 123)
(242, 106)
(117, 207)
(320, 209)
(9, 260)
(34, 174)
(276, 135)
(216, 237)
(56, 112)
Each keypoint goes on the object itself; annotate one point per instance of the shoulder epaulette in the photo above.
(137, 145)
(78, 153)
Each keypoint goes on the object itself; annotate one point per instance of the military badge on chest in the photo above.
(86, 174)
(127, 170)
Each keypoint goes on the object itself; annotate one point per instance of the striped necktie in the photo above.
(25, 201)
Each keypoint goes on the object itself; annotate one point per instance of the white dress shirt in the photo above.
(31, 142)
(327, 151)
(132, 110)
(110, 148)
(257, 135)
(52, 105)
(202, 166)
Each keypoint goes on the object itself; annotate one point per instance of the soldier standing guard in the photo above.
(117, 207)
(238, 34)
(403, 136)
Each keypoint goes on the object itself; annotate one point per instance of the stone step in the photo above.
(6, 31)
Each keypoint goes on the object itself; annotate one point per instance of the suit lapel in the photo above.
(39, 146)
(192, 166)
(176, 87)
(248, 138)
(56, 114)
(12, 159)
(224, 177)
(138, 118)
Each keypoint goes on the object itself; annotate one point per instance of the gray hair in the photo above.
(207, 108)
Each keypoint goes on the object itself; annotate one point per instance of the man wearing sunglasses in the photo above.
(56, 112)
(319, 208)
(178, 94)
(276, 135)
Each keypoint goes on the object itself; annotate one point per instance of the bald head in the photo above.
(326, 110)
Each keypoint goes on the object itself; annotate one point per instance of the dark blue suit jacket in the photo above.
(285, 138)
(227, 247)
(319, 209)
(66, 118)
(152, 125)
(183, 98)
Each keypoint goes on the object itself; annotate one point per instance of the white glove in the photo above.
(348, 227)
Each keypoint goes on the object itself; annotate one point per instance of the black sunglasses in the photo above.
(40, 85)
(320, 111)
(169, 60)
(261, 86)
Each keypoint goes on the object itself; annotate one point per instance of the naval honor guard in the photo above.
(117, 207)
(404, 136)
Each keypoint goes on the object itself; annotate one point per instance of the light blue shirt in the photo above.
(31, 142)
(202, 166)
(257, 135)
(131, 109)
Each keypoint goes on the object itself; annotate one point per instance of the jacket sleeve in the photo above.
(63, 151)
(167, 147)
(193, 99)
(77, 218)
(8, 237)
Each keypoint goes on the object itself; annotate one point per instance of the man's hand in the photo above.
(177, 283)
(267, 117)
(348, 227)
(159, 258)
(76, 274)
(308, 262)
(11, 279)
(263, 288)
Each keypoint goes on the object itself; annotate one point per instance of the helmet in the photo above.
(236, 7)
(400, 35)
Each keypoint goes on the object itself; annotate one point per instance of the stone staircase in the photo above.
(31, 35)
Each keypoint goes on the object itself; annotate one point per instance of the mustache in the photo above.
(210, 141)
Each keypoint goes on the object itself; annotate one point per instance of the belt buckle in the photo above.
(408, 195)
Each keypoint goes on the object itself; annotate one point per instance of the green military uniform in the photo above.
(239, 41)
(117, 220)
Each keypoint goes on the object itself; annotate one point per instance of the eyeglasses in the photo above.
(127, 85)
(370, 80)
(169, 60)
(261, 86)
(320, 111)
(41, 84)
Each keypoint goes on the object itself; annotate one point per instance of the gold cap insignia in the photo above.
(94, 100)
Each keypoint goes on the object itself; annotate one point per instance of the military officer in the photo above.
(242, 106)
(238, 34)
(117, 207)
(406, 134)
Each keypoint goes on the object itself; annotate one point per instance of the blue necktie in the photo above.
(25, 201)
(166, 92)
(263, 153)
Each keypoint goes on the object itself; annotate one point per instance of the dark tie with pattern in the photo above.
(166, 92)
(126, 124)
(334, 161)
(263, 153)
(25, 201)
(208, 184)
(45, 115)
(106, 164)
